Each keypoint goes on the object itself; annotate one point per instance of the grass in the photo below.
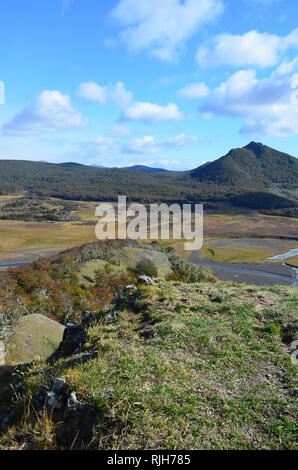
(233, 255)
(245, 250)
(196, 366)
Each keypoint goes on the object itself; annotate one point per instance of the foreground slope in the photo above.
(173, 365)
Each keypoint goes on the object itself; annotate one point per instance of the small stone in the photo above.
(146, 280)
(128, 290)
(59, 385)
(72, 400)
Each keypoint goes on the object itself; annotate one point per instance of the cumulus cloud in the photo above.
(50, 111)
(104, 146)
(148, 144)
(117, 93)
(249, 49)
(92, 92)
(194, 91)
(269, 105)
(163, 27)
(121, 97)
(150, 113)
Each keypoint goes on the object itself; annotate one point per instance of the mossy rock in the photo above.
(35, 336)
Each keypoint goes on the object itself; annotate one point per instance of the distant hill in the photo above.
(70, 164)
(144, 169)
(239, 177)
(255, 166)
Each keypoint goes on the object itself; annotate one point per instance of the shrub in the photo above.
(188, 272)
(146, 267)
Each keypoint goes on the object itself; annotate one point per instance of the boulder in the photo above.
(35, 336)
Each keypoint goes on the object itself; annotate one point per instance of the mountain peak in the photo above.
(255, 165)
(255, 147)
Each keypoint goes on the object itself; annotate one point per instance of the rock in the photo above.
(76, 419)
(78, 422)
(5, 422)
(59, 386)
(128, 290)
(41, 399)
(52, 399)
(72, 400)
(148, 281)
(35, 336)
(87, 318)
(74, 338)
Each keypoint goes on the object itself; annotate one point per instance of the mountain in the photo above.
(252, 170)
(81, 182)
(144, 169)
(253, 166)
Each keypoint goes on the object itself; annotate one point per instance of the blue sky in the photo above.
(167, 83)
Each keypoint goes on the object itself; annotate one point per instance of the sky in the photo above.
(170, 84)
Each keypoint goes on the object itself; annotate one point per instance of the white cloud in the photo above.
(163, 27)
(146, 144)
(180, 140)
(104, 147)
(92, 92)
(152, 113)
(194, 91)
(118, 130)
(269, 105)
(149, 145)
(121, 97)
(50, 111)
(249, 49)
(117, 93)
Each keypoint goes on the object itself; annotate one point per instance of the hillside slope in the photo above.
(255, 166)
(241, 171)
(172, 366)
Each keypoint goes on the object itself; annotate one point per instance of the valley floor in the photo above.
(258, 237)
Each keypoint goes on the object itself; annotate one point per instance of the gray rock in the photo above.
(52, 399)
(128, 290)
(59, 386)
(148, 281)
(72, 400)
(74, 338)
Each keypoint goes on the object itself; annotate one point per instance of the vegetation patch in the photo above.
(192, 366)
